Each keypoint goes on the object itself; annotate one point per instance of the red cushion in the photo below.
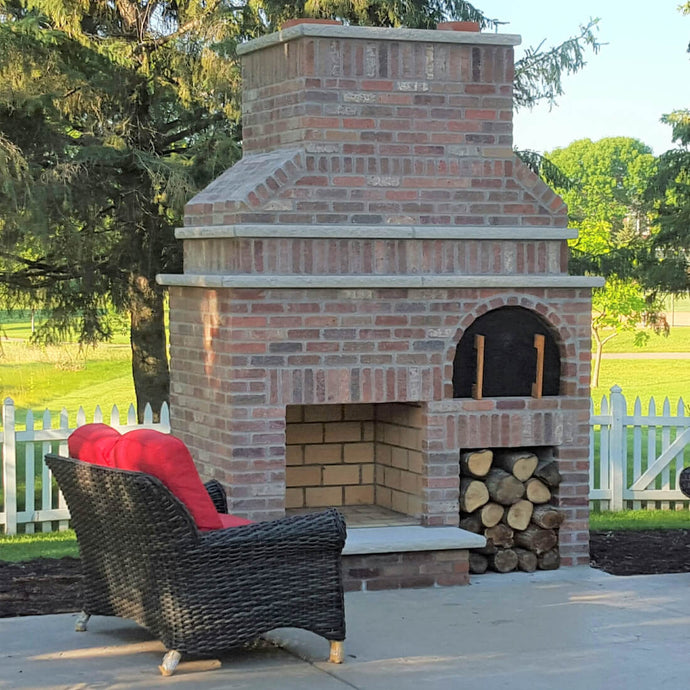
(166, 457)
(233, 520)
(93, 443)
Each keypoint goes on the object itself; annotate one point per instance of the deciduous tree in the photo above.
(607, 203)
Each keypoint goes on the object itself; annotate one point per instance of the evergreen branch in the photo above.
(195, 128)
(187, 27)
(548, 171)
(538, 74)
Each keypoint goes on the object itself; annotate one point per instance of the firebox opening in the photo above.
(366, 460)
(510, 356)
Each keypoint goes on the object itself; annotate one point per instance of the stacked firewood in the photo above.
(505, 495)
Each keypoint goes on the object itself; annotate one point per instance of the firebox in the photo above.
(323, 335)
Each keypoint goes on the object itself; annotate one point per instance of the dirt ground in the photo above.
(52, 585)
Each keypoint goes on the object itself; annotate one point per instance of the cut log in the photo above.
(547, 471)
(472, 523)
(503, 487)
(491, 513)
(500, 535)
(489, 549)
(503, 561)
(551, 560)
(536, 491)
(520, 463)
(527, 561)
(478, 563)
(476, 463)
(473, 495)
(547, 517)
(518, 515)
(536, 539)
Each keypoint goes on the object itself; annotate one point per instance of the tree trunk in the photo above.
(149, 348)
(597, 364)
(521, 464)
(519, 514)
(503, 487)
(476, 463)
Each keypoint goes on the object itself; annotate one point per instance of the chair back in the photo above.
(128, 525)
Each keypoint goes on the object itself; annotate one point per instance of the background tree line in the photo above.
(113, 113)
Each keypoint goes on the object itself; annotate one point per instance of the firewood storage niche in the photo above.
(505, 360)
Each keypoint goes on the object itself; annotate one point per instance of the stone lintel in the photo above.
(339, 282)
(403, 232)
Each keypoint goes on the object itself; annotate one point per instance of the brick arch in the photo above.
(563, 334)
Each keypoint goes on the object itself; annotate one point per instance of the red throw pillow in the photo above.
(233, 520)
(166, 457)
(93, 443)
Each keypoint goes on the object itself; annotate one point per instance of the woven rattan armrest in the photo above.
(323, 531)
(218, 496)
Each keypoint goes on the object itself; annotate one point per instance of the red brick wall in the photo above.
(241, 356)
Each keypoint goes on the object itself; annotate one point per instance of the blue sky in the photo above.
(643, 72)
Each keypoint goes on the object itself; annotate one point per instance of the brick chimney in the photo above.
(362, 125)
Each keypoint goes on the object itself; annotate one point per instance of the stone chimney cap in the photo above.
(372, 33)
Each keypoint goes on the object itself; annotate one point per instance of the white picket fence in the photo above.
(40, 502)
(634, 459)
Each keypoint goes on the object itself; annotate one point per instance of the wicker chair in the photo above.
(199, 592)
(684, 481)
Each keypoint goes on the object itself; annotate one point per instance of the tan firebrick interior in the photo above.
(354, 455)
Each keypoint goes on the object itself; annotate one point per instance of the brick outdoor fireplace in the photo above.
(322, 334)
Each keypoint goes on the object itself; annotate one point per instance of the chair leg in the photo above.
(337, 652)
(170, 661)
(82, 620)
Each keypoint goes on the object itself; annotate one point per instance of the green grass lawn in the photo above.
(25, 547)
(678, 340)
(640, 519)
(646, 378)
(15, 326)
(52, 378)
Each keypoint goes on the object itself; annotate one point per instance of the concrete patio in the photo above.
(565, 629)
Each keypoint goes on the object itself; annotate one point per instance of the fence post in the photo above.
(9, 466)
(617, 448)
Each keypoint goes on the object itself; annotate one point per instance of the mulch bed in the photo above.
(46, 585)
(52, 585)
(644, 552)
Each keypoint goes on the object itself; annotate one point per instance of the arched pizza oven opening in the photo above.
(510, 351)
